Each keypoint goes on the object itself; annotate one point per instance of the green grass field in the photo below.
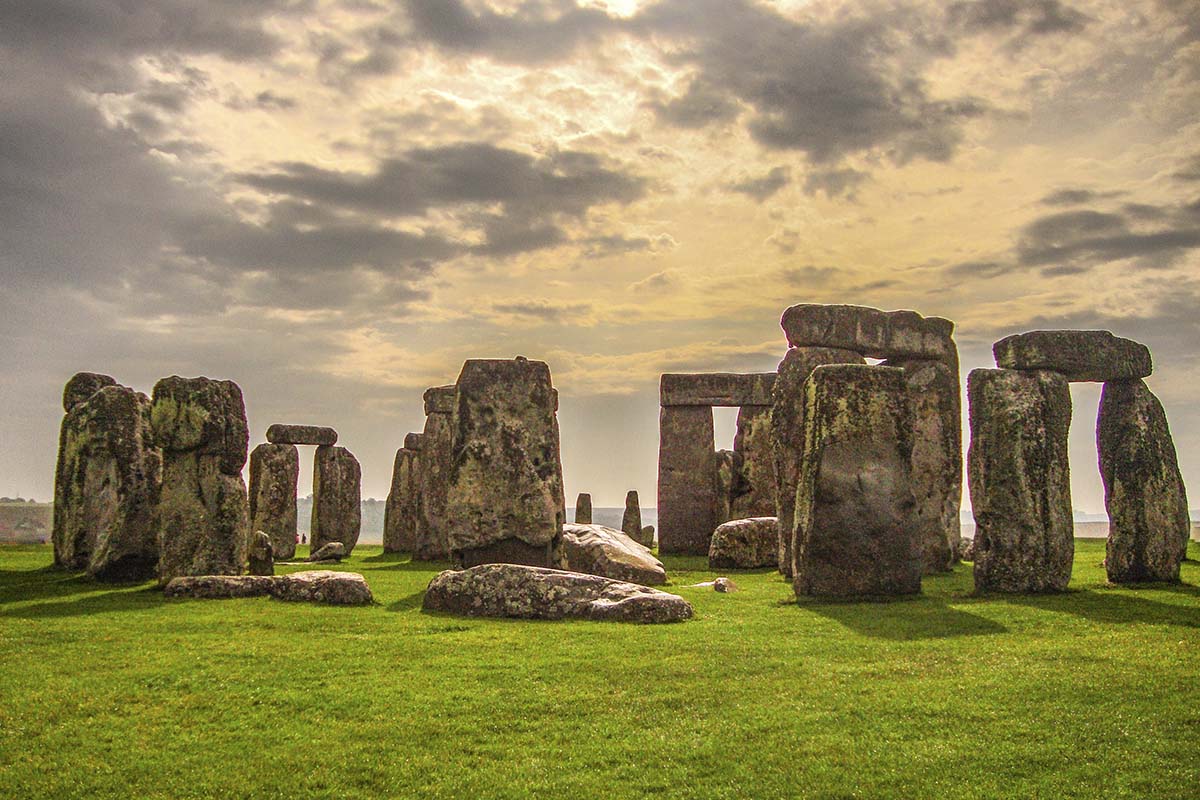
(114, 692)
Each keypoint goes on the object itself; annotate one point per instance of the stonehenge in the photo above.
(337, 498)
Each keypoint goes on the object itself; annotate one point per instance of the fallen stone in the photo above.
(262, 556)
(745, 544)
(337, 498)
(505, 488)
(631, 520)
(583, 509)
(787, 433)
(855, 513)
(317, 586)
(82, 386)
(330, 551)
(597, 550)
(721, 585)
(869, 331)
(1149, 523)
(1019, 480)
(687, 490)
(511, 590)
(716, 389)
(1077, 355)
(301, 434)
(202, 415)
(274, 473)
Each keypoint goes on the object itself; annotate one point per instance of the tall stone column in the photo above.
(437, 452)
(400, 513)
(754, 487)
(1020, 480)
(687, 502)
(337, 498)
(1148, 519)
(274, 473)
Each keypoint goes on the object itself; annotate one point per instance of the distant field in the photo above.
(112, 692)
(25, 522)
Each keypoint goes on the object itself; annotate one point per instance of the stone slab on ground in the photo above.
(745, 544)
(316, 586)
(609, 553)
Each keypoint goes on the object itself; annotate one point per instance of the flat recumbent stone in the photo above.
(1095, 356)
(301, 434)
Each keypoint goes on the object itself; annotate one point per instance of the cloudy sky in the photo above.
(335, 202)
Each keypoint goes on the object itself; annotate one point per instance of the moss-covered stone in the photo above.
(583, 509)
(82, 386)
(262, 555)
(301, 434)
(433, 483)
(401, 512)
(868, 331)
(1077, 355)
(855, 531)
(337, 498)
(687, 480)
(1020, 480)
(204, 524)
(1147, 506)
(631, 520)
(201, 414)
(745, 544)
(274, 473)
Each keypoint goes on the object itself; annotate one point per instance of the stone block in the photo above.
(1077, 355)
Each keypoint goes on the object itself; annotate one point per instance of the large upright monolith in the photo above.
(754, 488)
(1020, 480)
(433, 481)
(204, 526)
(403, 501)
(505, 501)
(1148, 520)
(855, 532)
(688, 505)
(274, 473)
(107, 482)
(337, 498)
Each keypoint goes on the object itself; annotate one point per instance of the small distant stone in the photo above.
(745, 544)
(330, 551)
(966, 550)
(262, 554)
(583, 509)
(301, 434)
(724, 586)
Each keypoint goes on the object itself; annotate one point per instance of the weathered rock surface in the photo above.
(511, 590)
(728, 467)
(937, 457)
(82, 386)
(107, 483)
(855, 529)
(441, 399)
(597, 550)
(433, 475)
(274, 473)
(966, 549)
(716, 389)
(204, 524)
(753, 488)
(647, 539)
(787, 433)
(403, 504)
(1019, 480)
(1077, 355)
(631, 520)
(262, 556)
(687, 491)
(505, 488)
(869, 331)
(583, 509)
(745, 544)
(301, 434)
(202, 415)
(1147, 506)
(317, 586)
(337, 497)
(330, 551)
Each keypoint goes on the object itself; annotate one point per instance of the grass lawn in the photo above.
(113, 692)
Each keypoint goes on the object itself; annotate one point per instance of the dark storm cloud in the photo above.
(699, 106)
(763, 186)
(834, 183)
(1023, 17)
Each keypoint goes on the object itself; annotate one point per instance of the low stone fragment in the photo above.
(745, 544)
(82, 386)
(598, 550)
(262, 556)
(330, 551)
(218, 587)
(202, 415)
(583, 509)
(647, 539)
(511, 590)
(716, 389)
(317, 586)
(724, 586)
(869, 331)
(1077, 355)
(1019, 480)
(1149, 523)
(337, 498)
(631, 520)
(301, 434)
(855, 528)
(274, 473)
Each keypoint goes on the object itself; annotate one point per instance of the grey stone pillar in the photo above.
(337, 498)
(754, 486)
(274, 472)
(403, 507)
(687, 503)
(437, 445)
(583, 509)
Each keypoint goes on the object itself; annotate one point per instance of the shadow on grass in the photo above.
(903, 619)
(17, 586)
(404, 564)
(407, 603)
(1115, 606)
(105, 600)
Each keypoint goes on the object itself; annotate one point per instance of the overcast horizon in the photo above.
(336, 202)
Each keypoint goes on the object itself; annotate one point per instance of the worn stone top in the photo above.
(869, 331)
(201, 414)
(1078, 355)
(440, 399)
(82, 386)
(716, 389)
(412, 441)
(301, 434)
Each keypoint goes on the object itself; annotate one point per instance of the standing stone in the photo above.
(505, 502)
(787, 433)
(1149, 524)
(107, 482)
(274, 473)
(631, 520)
(687, 494)
(754, 488)
(1077, 355)
(855, 531)
(337, 498)
(402, 509)
(433, 482)
(262, 556)
(1020, 480)
(204, 524)
(937, 457)
(583, 509)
